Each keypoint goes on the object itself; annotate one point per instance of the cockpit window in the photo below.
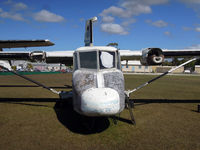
(75, 61)
(118, 61)
(88, 59)
(107, 59)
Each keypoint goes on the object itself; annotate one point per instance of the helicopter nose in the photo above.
(100, 102)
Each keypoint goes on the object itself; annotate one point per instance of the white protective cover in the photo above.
(106, 59)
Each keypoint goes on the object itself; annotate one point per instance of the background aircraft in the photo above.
(98, 82)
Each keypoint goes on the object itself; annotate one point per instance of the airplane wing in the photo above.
(181, 53)
(63, 57)
(12, 55)
(155, 56)
(149, 56)
(130, 54)
(24, 43)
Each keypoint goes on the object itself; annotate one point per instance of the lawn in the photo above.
(41, 125)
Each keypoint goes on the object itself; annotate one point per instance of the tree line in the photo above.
(177, 61)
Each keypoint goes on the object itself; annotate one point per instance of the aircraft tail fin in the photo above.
(89, 32)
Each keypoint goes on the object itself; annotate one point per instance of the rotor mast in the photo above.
(89, 31)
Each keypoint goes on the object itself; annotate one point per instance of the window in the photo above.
(107, 59)
(75, 61)
(118, 61)
(88, 59)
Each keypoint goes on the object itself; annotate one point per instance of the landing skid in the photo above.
(130, 105)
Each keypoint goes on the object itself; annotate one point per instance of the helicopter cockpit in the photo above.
(96, 59)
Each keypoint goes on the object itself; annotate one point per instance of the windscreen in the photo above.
(75, 61)
(88, 60)
(107, 59)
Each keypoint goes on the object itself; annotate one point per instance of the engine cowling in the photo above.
(37, 56)
(152, 56)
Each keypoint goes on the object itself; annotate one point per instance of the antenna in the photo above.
(89, 31)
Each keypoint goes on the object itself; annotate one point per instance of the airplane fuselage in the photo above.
(98, 82)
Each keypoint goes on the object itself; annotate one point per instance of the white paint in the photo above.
(100, 102)
(132, 62)
(106, 59)
(60, 54)
(100, 80)
(88, 48)
(130, 53)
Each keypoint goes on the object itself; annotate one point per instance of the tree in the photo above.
(14, 68)
(190, 66)
(197, 62)
(113, 44)
(175, 61)
(167, 63)
(29, 67)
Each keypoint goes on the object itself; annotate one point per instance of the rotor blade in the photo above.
(31, 80)
(156, 78)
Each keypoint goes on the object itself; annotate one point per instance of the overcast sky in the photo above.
(133, 24)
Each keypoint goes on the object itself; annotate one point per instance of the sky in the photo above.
(133, 24)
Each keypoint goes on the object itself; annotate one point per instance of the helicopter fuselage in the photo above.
(98, 82)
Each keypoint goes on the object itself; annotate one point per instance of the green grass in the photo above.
(38, 125)
(169, 87)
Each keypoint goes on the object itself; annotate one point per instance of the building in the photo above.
(197, 69)
(135, 66)
(56, 67)
(48, 67)
(38, 66)
(162, 69)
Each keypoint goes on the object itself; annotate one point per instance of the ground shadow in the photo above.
(27, 101)
(196, 111)
(11, 100)
(78, 123)
(66, 115)
(173, 101)
(147, 101)
(82, 124)
(124, 120)
(58, 87)
(138, 101)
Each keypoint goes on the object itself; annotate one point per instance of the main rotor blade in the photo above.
(156, 78)
(31, 80)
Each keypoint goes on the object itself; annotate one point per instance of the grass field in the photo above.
(41, 125)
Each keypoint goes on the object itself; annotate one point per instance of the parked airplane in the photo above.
(98, 82)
